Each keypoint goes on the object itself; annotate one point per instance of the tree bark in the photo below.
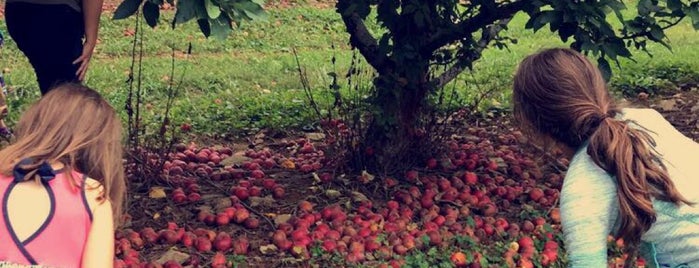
(362, 40)
(465, 28)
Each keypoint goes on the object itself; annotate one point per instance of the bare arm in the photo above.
(92, 10)
(99, 250)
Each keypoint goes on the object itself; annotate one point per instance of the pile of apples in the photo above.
(486, 190)
(190, 164)
(129, 242)
(185, 169)
(487, 184)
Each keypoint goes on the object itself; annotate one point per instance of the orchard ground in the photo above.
(249, 188)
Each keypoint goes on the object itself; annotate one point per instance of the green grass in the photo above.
(643, 73)
(253, 73)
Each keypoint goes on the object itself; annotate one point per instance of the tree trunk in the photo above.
(396, 134)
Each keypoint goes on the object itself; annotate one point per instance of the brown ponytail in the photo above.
(560, 94)
(640, 175)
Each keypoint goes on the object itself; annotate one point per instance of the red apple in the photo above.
(241, 245)
(223, 242)
(278, 192)
(241, 215)
(218, 261)
(252, 223)
(470, 178)
(203, 244)
(222, 219)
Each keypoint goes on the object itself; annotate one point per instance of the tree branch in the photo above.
(647, 33)
(464, 28)
(490, 33)
(362, 40)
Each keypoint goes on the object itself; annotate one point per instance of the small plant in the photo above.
(147, 150)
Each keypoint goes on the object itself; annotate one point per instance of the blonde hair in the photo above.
(72, 124)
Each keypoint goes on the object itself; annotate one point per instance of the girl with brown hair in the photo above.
(62, 182)
(632, 174)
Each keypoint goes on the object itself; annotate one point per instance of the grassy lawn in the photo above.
(250, 81)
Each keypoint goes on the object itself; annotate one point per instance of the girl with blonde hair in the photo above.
(62, 185)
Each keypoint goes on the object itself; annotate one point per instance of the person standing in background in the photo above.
(5, 132)
(50, 34)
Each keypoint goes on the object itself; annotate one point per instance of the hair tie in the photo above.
(44, 171)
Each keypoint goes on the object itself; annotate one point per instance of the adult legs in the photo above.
(50, 36)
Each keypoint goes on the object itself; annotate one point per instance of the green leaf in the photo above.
(567, 30)
(693, 12)
(470, 222)
(250, 11)
(614, 49)
(484, 261)
(644, 7)
(618, 6)
(126, 9)
(221, 27)
(256, 15)
(212, 9)
(674, 4)
(604, 67)
(205, 27)
(186, 10)
(589, 46)
(151, 12)
(657, 33)
(544, 18)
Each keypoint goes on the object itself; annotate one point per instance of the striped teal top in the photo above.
(589, 206)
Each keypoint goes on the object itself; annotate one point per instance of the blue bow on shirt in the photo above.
(44, 171)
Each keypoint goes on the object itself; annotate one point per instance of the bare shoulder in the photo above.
(94, 193)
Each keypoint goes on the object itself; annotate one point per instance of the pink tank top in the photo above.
(61, 239)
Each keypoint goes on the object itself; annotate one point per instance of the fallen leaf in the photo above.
(234, 160)
(330, 193)
(222, 203)
(315, 136)
(173, 255)
(268, 249)
(359, 197)
(668, 105)
(366, 177)
(282, 218)
(288, 164)
(157, 193)
(256, 201)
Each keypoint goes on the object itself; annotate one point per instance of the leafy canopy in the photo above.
(454, 32)
(215, 17)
